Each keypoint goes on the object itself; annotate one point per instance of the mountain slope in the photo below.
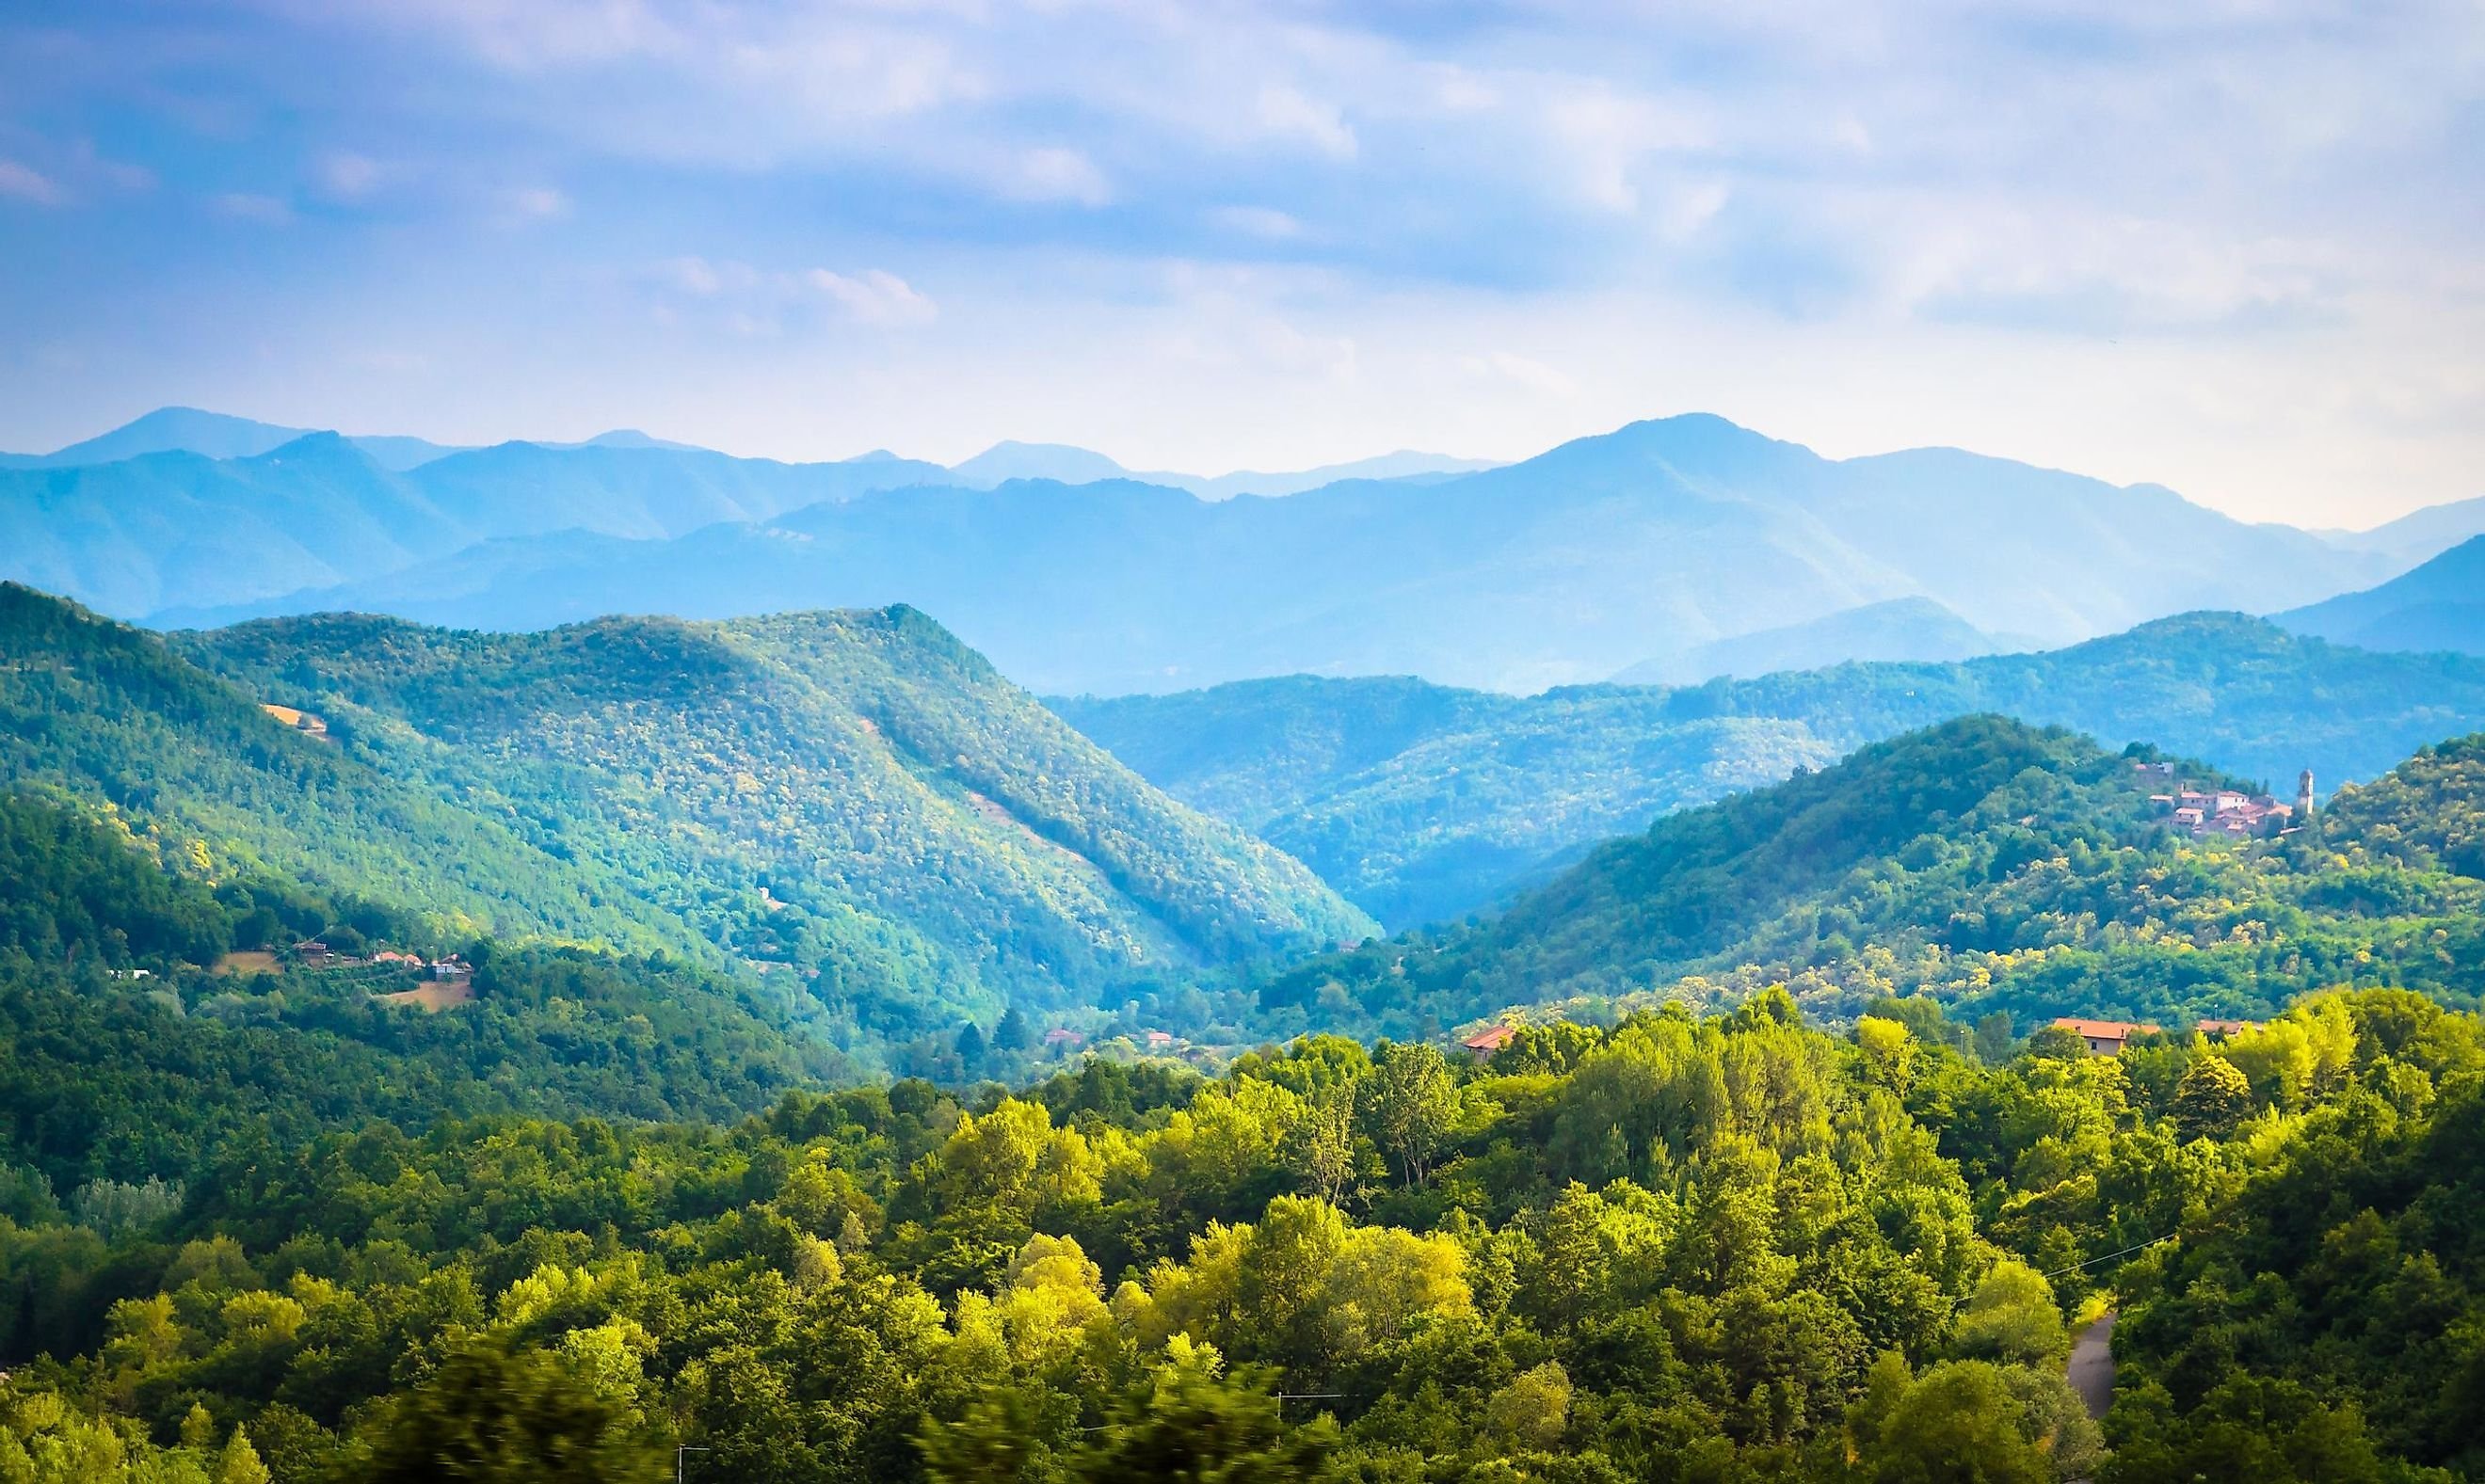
(1983, 862)
(2440, 606)
(1421, 803)
(1653, 539)
(852, 795)
(851, 801)
(165, 529)
(114, 716)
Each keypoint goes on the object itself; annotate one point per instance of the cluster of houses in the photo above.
(2203, 812)
(313, 953)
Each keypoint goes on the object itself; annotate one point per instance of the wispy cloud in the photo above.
(1057, 174)
(345, 175)
(1287, 113)
(875, 297)
(23, 182)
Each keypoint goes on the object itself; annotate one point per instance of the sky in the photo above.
(2234, 248)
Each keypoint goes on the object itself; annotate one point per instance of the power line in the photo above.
(2110, 1257)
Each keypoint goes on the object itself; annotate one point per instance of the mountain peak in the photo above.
(1009, 460)
(181, 429)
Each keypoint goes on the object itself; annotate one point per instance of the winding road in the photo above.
(2091, 1367)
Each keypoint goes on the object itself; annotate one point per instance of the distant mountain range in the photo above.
(854, 803)
(1670, 551)
(1653, 540)
(2440, 606)
(2414, 537)
(1423, 803)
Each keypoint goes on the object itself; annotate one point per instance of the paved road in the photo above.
(2091, 1370)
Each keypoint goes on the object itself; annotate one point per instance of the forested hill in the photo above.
(1993, 867)
(1423, 803)
(110, 713)
(854, 801)
(856, 793)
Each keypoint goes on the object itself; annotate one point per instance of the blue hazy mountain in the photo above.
(2440, 606)
(1010, 460)
(215, 436)
(1900, 628)
(2420, 536)
(1065, 463)
(1564, 568)
(179, 529)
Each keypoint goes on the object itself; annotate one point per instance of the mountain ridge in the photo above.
(852, 806)
(1425, 802)
(2438, 606)
(1561, 569)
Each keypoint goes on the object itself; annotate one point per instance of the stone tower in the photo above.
(2304, 796)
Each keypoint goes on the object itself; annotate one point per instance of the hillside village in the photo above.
(2203, 813)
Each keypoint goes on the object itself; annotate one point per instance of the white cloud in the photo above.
(345, 175)
(694, 276)
(536, 203)
(1602, 137)
(876, 297)
(22, 182)
(1288, 113)
(1265, 223)
(1055, 173)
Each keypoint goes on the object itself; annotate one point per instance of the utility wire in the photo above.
(2110, 1257)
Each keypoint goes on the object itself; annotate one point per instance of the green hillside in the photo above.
(1995, 867)
(100, 712)
(854, 803)
(1423, 803)
(855, 796)
(122, 1058)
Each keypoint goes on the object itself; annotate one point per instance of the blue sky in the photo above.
(2237, 248)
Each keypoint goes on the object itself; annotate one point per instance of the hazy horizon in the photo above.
(2230, 252)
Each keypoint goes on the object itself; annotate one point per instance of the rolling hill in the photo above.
(1990, 865)
(1657, 538)
(853, 800)
(1423, 803)
(2440, 606)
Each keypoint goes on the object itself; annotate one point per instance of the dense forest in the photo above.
(851, 809)
(1781, 1175)
(2000, 869)
(1673, 1249)
(1424, 803)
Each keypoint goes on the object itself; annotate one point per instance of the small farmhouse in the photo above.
(2105, 1037)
